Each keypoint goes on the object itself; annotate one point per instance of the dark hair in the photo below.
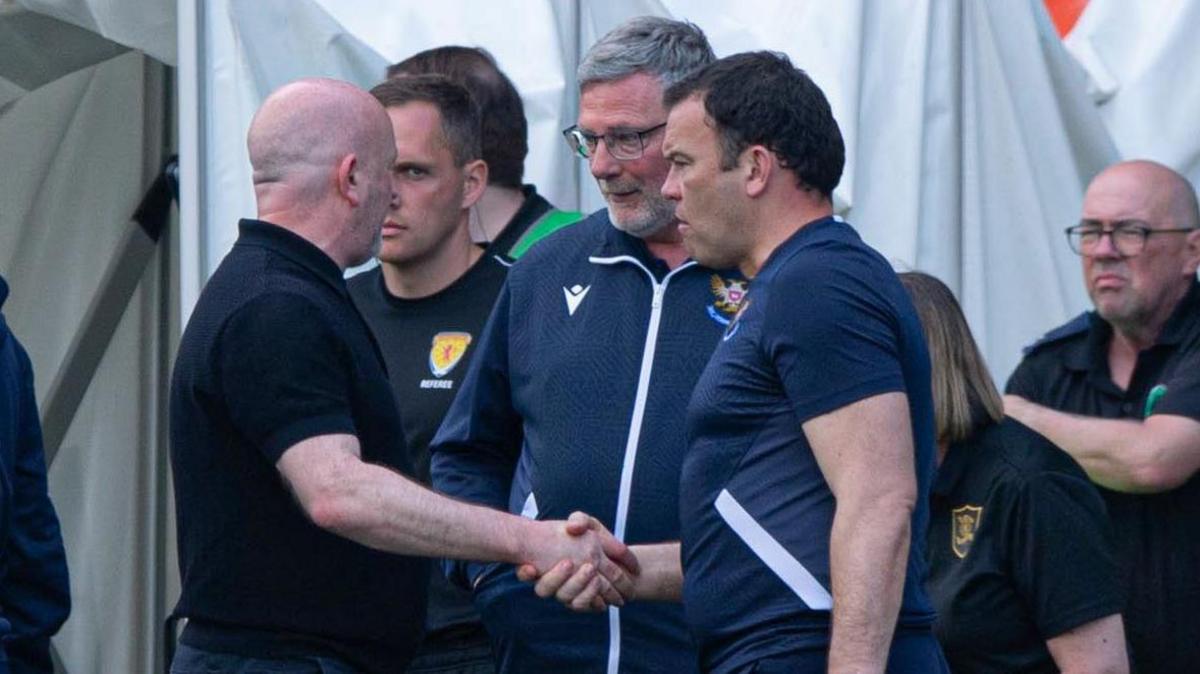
(460, 114)
(760, 98)
(665, 48)
(505, 130)
(964, 396)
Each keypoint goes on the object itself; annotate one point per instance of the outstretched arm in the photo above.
(382, 509)
(1157, 454)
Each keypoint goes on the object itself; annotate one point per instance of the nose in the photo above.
(602, 164)
(670, 188)
(1106, 247)
(395, 201)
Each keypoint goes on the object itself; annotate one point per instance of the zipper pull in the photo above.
(660, 289)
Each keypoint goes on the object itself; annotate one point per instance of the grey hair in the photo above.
(663, 47)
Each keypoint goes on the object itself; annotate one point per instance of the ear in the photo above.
(475, 176)
(347, 180)
(1191, 251)
(758, 163)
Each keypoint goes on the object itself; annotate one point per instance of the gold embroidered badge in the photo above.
(964, 524)
(448, 348)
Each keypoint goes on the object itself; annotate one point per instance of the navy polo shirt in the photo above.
(825, 324)
(275, 353)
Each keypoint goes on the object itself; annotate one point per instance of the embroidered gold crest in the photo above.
(964, 524)
(448, 348)
(728, 296)
(728, 293)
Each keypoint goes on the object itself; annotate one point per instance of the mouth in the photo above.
(391, 228)
(1107, 282)
(612, 191)
(621, 197)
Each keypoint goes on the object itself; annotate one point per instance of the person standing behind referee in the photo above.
(1021, 567)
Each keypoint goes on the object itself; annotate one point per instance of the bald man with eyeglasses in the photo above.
(1119, 389)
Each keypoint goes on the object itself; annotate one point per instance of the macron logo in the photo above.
(574, 295)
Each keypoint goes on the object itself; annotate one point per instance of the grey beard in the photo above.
(662, 213)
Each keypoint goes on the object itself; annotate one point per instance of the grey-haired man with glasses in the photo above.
(576, 395)
(1119, 389)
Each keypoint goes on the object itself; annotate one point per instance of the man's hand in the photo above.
(579, 562)
(588, 586)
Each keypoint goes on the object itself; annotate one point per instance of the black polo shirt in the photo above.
(1019, 551)
(427, 344)
(275, 353)
(1179, 395)
(1157, 535)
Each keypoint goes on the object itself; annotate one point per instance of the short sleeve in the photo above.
(1023, 383)
(833, 335)
(1061, 553)
(1181, 392)
(284, 373)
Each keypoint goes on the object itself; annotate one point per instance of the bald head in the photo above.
(304, 128)
(322, 153)
(1137, 291)
(1155, 190)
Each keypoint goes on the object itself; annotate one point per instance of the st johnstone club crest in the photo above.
(448, 348)
(964, 522)
(728, 294)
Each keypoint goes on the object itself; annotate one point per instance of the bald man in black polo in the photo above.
(278, 377)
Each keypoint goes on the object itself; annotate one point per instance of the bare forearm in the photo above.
(868, 556)
(1115, 453)
(661, 578)
(382, 509)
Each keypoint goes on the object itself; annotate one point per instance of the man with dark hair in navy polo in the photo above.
(818, 394)
(286, 446)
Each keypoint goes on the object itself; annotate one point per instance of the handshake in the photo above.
(580, 563)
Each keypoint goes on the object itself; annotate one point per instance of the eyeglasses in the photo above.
(623, 145)
(1128, 236)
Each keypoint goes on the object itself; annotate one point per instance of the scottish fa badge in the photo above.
(964, 524)
(448, 348)
(729, 294)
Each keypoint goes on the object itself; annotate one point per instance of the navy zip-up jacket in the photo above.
(34, 593)
(575, 401)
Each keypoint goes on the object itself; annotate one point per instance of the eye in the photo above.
(413, 172)
(626, 140)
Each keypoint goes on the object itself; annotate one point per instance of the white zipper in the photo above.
(635, 430)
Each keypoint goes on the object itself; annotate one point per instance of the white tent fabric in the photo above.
(146, 25)
(72, 175)
(968, 130)
(1141, 59)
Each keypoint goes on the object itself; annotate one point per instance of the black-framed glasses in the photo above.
(622, 144)
(1128, 236)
